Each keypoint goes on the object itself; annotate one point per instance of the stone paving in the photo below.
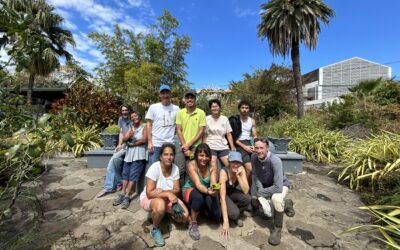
(68, 189)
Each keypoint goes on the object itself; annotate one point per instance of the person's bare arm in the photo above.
(230, 141)
(253, 128)
(242, 179)
(143, 140)
(197, 137)
(149, 128)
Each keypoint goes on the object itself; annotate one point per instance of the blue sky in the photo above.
(224, 34)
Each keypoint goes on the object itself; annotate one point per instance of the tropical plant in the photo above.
(309, 137)
(367, 161)
(85, 138)
(87, 105)
(112, 129)
(387, 224)
(269, 90)
(34, 37)
(286, 24)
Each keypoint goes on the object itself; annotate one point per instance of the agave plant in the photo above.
(387, 224)
(371, 159)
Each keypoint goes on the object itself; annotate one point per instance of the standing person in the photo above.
(217, 128)
(135, 159)
(113, 180)
(271, 185)
(243, 135)
(190, 125)
(197, 191)
(234, 190)
(161, 192)
(160, 123)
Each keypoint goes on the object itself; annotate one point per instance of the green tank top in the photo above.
(204, 181)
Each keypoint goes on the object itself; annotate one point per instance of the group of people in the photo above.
(222, 192)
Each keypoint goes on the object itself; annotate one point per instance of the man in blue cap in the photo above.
(160, 123)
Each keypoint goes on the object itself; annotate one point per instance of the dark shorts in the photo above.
(220, 153)
(132, 170)
(246, 157)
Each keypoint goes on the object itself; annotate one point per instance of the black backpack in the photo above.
(236, 125)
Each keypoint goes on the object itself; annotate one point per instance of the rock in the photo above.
(257, 238)
(311, 234)
(126, 240)
(56, 215)
(206, 243)
(87, 194)
(93, 233)
(70, 181)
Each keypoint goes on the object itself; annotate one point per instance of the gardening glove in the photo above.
(215, 186)
(178, 210)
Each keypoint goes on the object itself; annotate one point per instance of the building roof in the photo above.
(46, 93)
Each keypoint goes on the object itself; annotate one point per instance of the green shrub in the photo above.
(309, 137)
(366, 161)
(112, 129)
(85, 139)
(388, 93)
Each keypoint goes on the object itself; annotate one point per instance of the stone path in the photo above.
(323, 210)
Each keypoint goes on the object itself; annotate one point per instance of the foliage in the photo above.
(368, 161)
(388, 93)
(309, 137)
(87, 105)
(112, 129)
(227, 99)
(387, 224)
(270, 91)
(85, 139)
(34, 37)
(286, 24)
(158, 54)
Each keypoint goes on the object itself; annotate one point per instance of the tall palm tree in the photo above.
(286, 24)
(35, 37)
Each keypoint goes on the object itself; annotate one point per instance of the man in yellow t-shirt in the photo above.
(190, 124)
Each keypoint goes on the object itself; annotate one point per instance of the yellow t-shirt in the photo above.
(191, 123)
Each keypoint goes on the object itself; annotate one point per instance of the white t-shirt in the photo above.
(216, 129)
(165, 183)
(163, 118)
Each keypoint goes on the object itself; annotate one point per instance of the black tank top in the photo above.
(230, 188)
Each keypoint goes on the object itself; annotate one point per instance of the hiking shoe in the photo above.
(119, 199)
(239, 222)
(194, 230)
(102, 193)
(289, 210)
(159, 241)
(125, 203)
(265, 206)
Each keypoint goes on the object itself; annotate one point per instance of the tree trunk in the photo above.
(297, 78)
(30, 88)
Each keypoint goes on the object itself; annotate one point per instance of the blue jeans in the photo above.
(114, 171)
(155, 156)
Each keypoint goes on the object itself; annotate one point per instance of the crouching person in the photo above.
(234, 190)
(160, 195)
(272, 187)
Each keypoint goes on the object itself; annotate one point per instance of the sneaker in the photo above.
(265, 206)
(157, 237)
(239, 222)
(102, 193)
(119, 199)
(125, 203)
(194, 230)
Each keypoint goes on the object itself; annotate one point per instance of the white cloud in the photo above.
(82, 42)
(135, 3)
(69, 25)
(239, 12)
(134, 25)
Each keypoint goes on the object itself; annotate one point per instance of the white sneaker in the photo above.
(266, 207)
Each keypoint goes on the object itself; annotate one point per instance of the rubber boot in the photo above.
(275, 237)
(289, 210)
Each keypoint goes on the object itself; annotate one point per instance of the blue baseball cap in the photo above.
(235, 156)
(164, 87)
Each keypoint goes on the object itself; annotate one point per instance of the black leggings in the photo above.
(198, 201)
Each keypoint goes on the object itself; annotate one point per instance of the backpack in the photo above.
(236, 125)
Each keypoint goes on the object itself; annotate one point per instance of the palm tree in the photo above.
(287, 23)
(35, 37)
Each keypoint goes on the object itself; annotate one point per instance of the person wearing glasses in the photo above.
(113, 180)
(272, 187)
